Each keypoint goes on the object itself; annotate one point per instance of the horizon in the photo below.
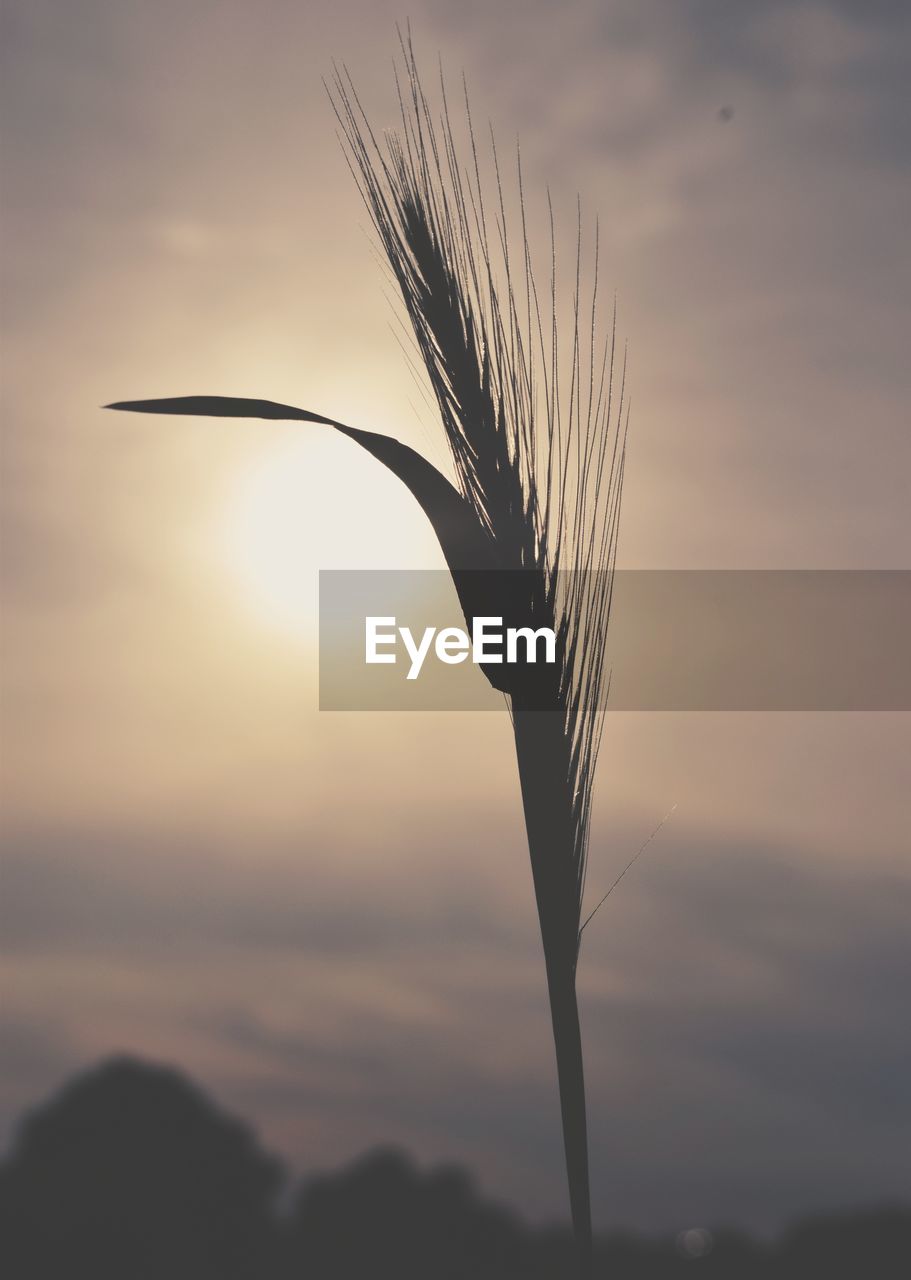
(174, 1085)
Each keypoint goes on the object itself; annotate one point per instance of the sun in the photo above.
(312, 501)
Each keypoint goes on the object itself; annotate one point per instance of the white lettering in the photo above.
(374, 638)
(417, 653)
(479, 638)
(531, 639)
(452, 645)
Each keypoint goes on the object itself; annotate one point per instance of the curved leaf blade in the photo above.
(469, 551)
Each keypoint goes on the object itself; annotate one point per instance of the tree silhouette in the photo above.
(418, 1225)
(131, 1173)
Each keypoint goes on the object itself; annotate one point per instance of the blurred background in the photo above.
(327, 919)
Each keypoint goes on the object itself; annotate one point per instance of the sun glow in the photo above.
(312, 502)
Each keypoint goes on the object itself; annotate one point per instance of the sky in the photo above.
(327, 918)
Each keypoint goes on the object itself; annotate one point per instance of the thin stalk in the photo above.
(541, 752)
(564, 1013)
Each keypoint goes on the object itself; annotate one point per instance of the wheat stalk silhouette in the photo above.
(537, 433)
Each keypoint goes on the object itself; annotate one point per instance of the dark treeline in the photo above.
(130, 1172)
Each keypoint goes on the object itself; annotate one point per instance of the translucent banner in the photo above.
(679, 640)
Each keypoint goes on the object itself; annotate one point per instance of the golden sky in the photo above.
(328, 918)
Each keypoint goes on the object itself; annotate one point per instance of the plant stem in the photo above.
(542, 754)
(564, 1014)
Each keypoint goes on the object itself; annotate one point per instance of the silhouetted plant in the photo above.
(536, 431)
